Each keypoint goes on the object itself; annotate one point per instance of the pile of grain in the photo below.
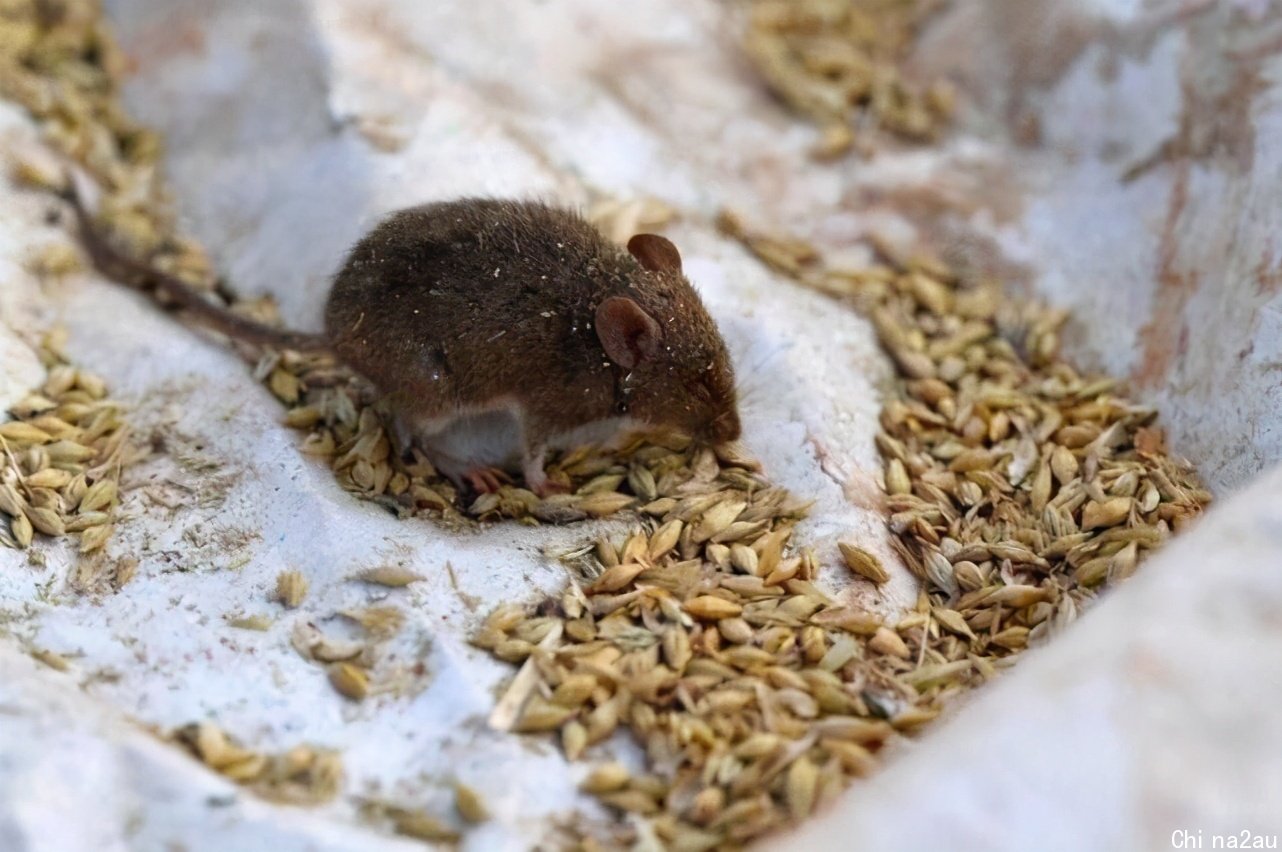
(840, 63)
(61, 457)
(1016, 488)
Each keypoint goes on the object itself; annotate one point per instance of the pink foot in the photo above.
(547, 487)
(536, 478)
(485, 480)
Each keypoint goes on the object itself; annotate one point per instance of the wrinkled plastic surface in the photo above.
(1118, 160)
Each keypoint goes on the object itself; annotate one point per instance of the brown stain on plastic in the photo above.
(1161, 336)
(1215, 131)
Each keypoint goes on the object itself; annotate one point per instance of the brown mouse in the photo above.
(499, 329)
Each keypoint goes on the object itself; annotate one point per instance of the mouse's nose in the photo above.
(725, 427)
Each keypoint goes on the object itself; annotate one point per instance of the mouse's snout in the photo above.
(724, 427)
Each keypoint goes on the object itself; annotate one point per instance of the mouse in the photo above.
(498, 330)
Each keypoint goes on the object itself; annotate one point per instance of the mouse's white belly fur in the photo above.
(492, 437)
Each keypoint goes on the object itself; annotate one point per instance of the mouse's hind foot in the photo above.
(485, 480)
(536, 477)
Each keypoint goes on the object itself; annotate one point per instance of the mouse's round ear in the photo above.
(628, 334)
(655, 253)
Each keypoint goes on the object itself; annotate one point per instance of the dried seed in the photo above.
(604, 504)
(711, 608)
(843, 650)
(677, 652)
(394, 576)
(1122, 564)
(469, 804)
(574, 739)
(716, 519)
(350, 681)
(887, 641)
(630, 801)
(49, 478)
(61, 452)
(735, 630)
(94, 538)
(11, 503)
(100, 495)
(665, 539)
(940, 573)
(1106, 514)
(380, 621)
(1064, 465)
(574, 690)
(251, 622)
(606, 778)
(968, 575)
(924, 677)
(744, 559)
(953, 621)
(541, 715)
(422, 826)
(849, 619)
(46, 521)
(21, 434)
(52, 659)
(613, 579)
(800, 788)
(22, 530)
(863, 563)
(291, 588)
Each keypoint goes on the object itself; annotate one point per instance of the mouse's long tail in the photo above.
(134, 273)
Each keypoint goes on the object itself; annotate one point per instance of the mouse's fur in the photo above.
(490, 323)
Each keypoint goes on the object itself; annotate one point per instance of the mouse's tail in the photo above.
(134, 273)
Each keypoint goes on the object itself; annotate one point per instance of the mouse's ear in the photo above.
(628, 334)
(655, 253)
